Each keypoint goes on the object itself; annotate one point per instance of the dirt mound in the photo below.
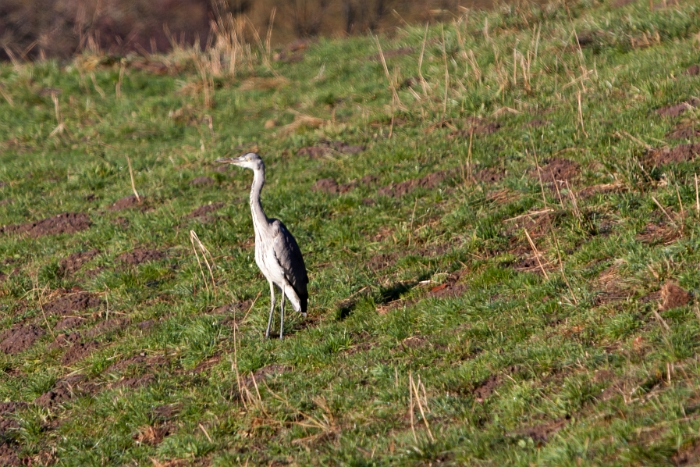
(487, 387)
(65, 340)
(693, 70)
(140, 360)
(67, 222)
(71, 303)
(658, 233)
(688, 455)
(381, 261)
(681, 153)
(684, 132)
(63, 391)
(206, 209)
(329, 185)
(78, 352)
(673, 296)
(540, 433)
(490, 175)
(139, 256)
(105, 327)
(75, 261)
(557, 170)
(202, 181)
(128, 202)
(8, 456)
(602, 189)
(69, 323)
(477, 127)
(676, 110)
(433, 180)
(20, 339)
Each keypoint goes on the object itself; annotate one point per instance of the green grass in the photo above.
(512, 367)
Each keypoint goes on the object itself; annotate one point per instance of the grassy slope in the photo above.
(516, 368)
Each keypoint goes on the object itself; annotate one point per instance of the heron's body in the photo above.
(277, 253)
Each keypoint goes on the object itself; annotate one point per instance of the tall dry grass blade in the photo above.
(197, 243)
(411, 407)
(668, 216)
(118, 87)
(97, 87)
(386, 72)
(6, 95)
(447, 73)
(133, 183)
(423, 83)
(537, 254)
(697, 196)
(420, 408)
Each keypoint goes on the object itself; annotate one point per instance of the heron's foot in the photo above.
(303, 315)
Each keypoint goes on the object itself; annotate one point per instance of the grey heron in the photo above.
(277, 253)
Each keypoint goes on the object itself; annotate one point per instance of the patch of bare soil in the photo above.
(449, 288)
(693, 70)
(530, 263)
(75, 261)
(7, 423)
(659, 233)
(487, 387)
(8, 456)
(106, 326)
(392, 53)
(381, 261)
(681, 153)
(78, 352)
(558, 170)
(673, 296)
(684, 131)
(65, 340)
(687, 455)
(70, 322)
(415, 342)
(20, 339)
(67, 222)
(541, 433)
(140, 256)
(71, 303)
(490, 175)
(433, 180)
(202, 181)
(477, 126)
(134, 383)
(329, 185)
(602, 189)
(678, 109)
(128, 202)
(205, 209)
(328, 147)
(122, 222)
(63, 391)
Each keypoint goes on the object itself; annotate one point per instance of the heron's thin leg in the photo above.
(272, 309)
(282, 316)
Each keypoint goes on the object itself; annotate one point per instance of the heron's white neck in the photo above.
(259, 217)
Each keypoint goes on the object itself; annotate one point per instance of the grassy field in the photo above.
(499, 217)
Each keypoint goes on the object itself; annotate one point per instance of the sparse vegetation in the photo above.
(499, 217)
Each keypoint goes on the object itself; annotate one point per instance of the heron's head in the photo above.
(249, 161)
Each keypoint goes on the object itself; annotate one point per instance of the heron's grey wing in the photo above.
(290, 259)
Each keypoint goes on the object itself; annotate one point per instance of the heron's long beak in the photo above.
(229, 160)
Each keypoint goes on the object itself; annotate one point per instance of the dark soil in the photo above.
(105, 327)
(684, 132)
(202, 181)
(8, 456)
(477, 127)
(681, 153)
(487, 387)
(558, 170)
(67, 222)
(63, 391)
(689, 455)
(329, 185)
(70, 322)
(530, 264)
(673, 296)
(602, 189)
(381, 261)
(140, 256)
(205, 209)
(138, 361)
(433, 180)
(65, 340)
(20, 339)
(7, 422)
(71, 303)
(78, 352)
(128, 202)
(678, 109)
(75, 261)
(540, 433)
(490, 175)
(693, 70)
